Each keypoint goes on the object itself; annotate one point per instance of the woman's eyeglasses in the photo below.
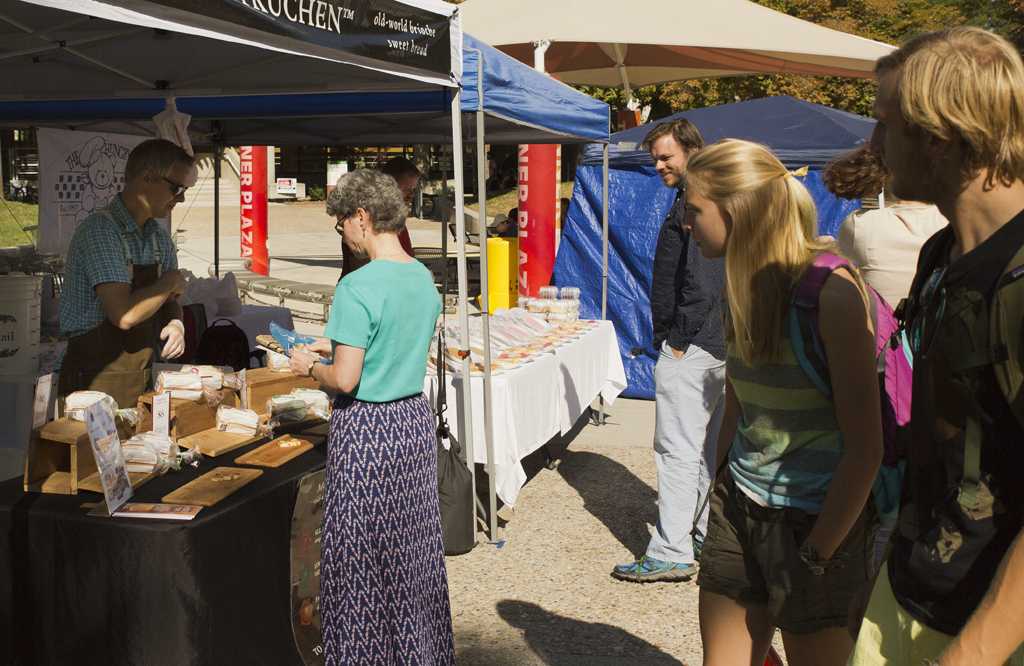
(176, 189)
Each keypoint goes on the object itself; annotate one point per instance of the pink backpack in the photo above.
(894, 365)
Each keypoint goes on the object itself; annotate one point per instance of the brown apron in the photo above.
(118, 363)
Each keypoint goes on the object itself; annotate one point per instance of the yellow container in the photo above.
(502, 273)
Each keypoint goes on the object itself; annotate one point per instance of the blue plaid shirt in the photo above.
(97, 255)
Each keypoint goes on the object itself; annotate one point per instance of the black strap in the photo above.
(443, 431)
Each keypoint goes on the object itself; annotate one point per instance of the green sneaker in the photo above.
(650, 570)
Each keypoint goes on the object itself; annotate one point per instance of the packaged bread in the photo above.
(181, 385)
(149, 452)
(76, 403)
(237, 421)
(286, 409)
(211, 377)
(277, 362)
(318, 405)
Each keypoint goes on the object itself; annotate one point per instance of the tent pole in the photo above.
(218, 153)
(604, 253)
(466, 406)
(604, 232)
(485, 302)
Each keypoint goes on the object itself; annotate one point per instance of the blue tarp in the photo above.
(638, 203)
(522, 105)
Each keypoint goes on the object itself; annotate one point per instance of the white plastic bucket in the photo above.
(20, 298)
(16, 396)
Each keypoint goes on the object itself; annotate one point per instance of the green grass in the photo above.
(501, 203)
(14, 217)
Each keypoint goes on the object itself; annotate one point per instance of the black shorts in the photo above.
(751, 555)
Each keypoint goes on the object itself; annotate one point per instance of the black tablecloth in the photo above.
(214, 590)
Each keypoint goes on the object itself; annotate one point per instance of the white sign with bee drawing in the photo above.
(79, 174)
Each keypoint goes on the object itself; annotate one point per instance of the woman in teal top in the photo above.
(383, 585)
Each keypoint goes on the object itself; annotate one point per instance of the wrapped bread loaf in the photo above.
(211, 377)
(76, 403)
(237, 421)
(149, 452)
(318, 404)
(286, 409)
(181, 385)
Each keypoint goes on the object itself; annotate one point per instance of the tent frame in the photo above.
(456, 135)
(485, 303)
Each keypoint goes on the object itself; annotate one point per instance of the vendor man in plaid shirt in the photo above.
(119, 307)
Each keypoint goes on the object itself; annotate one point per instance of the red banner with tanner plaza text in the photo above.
(538, 211)
(253, 185)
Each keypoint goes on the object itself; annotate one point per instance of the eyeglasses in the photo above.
(339, 225)
(176, 189)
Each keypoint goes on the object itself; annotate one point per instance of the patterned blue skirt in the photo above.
(383, 585)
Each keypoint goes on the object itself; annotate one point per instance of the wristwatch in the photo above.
(309, 373)
(814, 562)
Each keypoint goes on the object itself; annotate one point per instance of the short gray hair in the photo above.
(374, 192)
(158, 156)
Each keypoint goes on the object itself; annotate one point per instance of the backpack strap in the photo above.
(1005, 356)
(803, 319)
(1007, 336)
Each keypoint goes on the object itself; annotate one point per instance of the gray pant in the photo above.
(689, 400)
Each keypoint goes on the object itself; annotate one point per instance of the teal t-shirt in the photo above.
(389, 309)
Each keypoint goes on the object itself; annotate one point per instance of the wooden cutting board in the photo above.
(213, 486)
(213, 442)
(275, 453)
(92, 482)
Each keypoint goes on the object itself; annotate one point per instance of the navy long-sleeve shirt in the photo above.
(686, 290)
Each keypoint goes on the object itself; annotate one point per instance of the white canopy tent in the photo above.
(604, 43)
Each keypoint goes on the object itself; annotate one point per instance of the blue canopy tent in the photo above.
(511, 103)
(800, 133)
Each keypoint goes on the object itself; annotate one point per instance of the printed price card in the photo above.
(162, 414)
(41, 405)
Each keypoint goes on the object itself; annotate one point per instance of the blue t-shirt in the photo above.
(390, 310)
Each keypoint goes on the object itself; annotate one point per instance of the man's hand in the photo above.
(174, 334)
(174, 282)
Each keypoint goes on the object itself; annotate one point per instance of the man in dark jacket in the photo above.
(686, 313)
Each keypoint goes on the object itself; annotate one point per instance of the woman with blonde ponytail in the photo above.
(791, 527)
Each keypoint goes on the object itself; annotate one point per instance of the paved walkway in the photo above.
(545, 597)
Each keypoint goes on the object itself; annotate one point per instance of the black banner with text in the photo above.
(384, 30)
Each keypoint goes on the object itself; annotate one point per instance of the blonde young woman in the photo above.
(790, 530)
